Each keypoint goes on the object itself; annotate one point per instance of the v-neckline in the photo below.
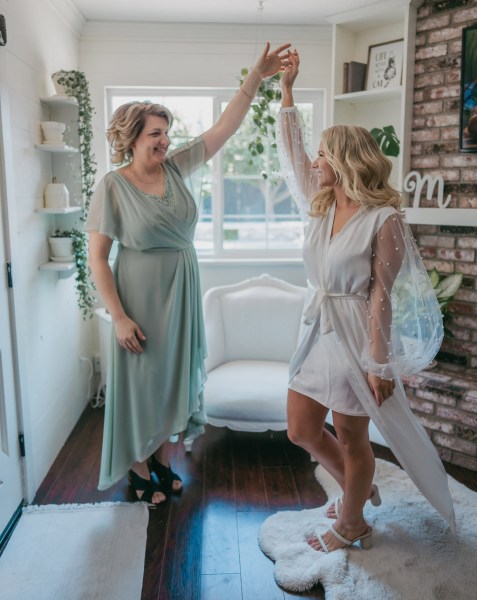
(332, 221)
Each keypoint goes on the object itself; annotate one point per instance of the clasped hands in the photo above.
(270, 63)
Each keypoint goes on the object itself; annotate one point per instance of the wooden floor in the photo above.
(202, 545)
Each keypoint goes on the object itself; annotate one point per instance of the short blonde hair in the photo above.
(127, 123)
(360, 167)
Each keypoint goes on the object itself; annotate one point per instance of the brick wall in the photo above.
(435, 151)
(445, 399)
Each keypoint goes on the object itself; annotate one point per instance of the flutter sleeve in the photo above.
(103, 214)
(295, 162)
(188, 159)
(405, 327)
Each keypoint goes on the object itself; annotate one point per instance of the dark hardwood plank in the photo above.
(220, 544)
(281, 490)
(181, 570)
(202, 545)
(256, 568)
(248, 474)
(218, 587)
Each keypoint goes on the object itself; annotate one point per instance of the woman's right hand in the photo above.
(129, 335)
(291, 70)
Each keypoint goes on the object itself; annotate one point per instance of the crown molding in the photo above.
(69, 14)
(200, 33)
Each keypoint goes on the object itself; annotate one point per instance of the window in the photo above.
(241, 214)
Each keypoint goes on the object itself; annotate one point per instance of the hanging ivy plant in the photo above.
(84, 284)
(268, 93)
(75, 84)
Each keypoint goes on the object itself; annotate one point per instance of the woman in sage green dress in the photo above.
(156, 376)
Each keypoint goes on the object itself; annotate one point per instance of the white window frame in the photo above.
(316, 97)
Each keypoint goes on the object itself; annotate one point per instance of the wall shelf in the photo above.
(63, 270)
(368, 96)
(60, 99)
(58, 211)
(466, 217)
(56, 148)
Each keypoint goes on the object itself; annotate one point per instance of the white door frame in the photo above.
(9, 240)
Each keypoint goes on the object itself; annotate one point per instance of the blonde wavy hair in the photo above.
(360, 168)
(127, 123)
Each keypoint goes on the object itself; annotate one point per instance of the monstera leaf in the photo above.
(387, 140)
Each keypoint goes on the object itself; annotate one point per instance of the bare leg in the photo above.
(162, 455)
(359, 466)
(306, 428)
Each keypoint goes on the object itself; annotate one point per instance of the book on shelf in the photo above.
(345, 77)
(356, 76)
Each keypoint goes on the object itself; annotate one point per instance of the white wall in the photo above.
(184, 55)
(47, 35)
(42, 37)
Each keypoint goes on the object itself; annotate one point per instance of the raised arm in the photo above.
(295, 163)
(267, 65)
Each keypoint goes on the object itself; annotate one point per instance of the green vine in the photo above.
(263, 115)
(84, 285)
(76, 85)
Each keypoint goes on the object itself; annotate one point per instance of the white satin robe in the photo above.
(367, 287)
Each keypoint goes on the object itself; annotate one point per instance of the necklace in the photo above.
(160, 172)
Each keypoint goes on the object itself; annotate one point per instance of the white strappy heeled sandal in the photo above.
(375, 500)
(365, 540)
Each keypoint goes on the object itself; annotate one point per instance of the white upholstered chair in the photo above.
(251, 329)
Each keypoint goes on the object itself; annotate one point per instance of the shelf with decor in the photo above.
(56, 148)
(369, 36)
(60, 140)
(367, 96)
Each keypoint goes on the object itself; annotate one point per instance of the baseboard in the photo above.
(7, 532)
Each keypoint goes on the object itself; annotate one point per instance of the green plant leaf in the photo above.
(448, 286)
(387, 140)
(434, 277)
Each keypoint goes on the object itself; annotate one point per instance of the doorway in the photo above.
(11, 489)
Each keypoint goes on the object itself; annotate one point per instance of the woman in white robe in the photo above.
(370, 317)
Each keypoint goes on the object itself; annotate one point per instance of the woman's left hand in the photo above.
(382, 388)
(270, 63)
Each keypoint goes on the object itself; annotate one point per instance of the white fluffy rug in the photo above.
(414, 557)
(76, 552)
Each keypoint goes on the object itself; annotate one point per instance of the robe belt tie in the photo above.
(316, 308)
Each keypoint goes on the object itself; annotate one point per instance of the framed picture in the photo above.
(385, 65)
(468, 93)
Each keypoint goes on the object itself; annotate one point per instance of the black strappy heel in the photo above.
(147, 486)
(165, 475)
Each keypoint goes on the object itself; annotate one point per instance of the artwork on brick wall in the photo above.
(468, 100)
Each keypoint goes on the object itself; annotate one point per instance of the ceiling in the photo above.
(273, 12)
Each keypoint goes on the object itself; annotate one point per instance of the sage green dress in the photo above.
(158, 393)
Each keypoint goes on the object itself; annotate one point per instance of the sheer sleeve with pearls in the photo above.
(405, 328)
(295, 162)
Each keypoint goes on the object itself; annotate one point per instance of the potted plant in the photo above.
(445, 288)
(74, 242)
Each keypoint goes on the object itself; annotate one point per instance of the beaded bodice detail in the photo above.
(167, 199)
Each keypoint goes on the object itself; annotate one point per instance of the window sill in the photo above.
(239, 261)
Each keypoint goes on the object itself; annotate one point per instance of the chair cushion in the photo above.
(248, 395)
